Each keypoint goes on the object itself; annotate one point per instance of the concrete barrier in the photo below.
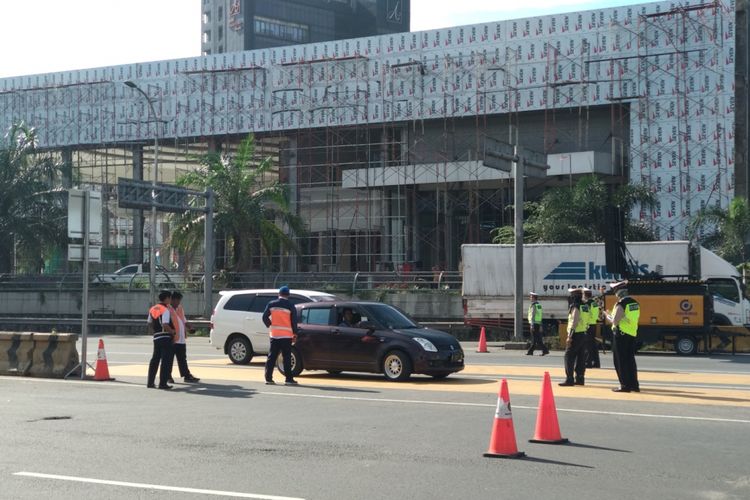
(38, 354)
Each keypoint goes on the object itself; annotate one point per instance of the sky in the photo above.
(44, 36)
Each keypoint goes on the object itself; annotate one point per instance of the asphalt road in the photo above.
(687, 435)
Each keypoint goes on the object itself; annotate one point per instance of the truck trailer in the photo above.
(551, 269)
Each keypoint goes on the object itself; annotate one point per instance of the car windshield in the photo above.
(390, 317)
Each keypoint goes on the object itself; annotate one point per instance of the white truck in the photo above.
(550, 269)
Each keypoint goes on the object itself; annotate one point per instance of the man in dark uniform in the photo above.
(535, 324)
(624, 319)
(592, 346)
(280, 317)
(161, 325)
(575, 345)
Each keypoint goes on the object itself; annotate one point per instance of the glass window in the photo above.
(390, 317)
(206, 36)
(724, 289)
(221, 32)
(240, 302)
(129, 270)
(221, 13)
(316, 315)
(206, 17)
(260, 303)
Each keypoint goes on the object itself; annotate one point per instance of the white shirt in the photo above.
(180, 330)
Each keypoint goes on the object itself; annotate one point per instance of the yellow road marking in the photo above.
(598, 386)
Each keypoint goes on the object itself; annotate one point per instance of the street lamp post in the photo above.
(152, 240)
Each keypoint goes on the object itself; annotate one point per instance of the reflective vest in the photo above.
(535, 313)
(593, 312)
(281, 323)
(583, 313)
(155, 314)
(632, 313)
(180, 316)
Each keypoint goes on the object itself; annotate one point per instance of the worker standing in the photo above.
(575, 344)
(161, 324)
(624, 318)
(535, 324)
(592, 348)
(280, 316)
(180, 341)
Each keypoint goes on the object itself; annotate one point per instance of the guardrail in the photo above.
(349, 283)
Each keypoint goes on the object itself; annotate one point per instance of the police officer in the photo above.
(535, 324)
(575, 345)
(281, 318)
(161, 325)
(624, 319)
(592, 348)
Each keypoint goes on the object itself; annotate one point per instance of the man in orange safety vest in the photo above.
(280, 317)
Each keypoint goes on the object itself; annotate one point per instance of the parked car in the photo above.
(139, 272)
(236, 322)
(382, 339)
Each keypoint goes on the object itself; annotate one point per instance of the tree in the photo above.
(570, 215)
(250, 212)
(729, 229)
(32, 209)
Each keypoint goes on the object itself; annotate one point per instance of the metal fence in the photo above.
(345, 283)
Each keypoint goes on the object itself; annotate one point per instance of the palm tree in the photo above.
(31, 207)
(576, 214)
(729, 229)
(251, 213)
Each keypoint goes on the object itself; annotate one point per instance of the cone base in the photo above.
(548, 441)
(482, 352)
(501, 455)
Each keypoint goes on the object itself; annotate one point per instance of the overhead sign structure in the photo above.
(75, 252)
(166, 198)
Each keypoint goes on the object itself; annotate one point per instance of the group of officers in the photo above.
(581, 347)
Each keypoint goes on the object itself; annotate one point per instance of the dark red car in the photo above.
(379, 338)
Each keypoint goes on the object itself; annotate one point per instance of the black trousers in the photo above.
(592, 359)
(537, 342)
(284, 346)
(180, 353)
(623, 353)
(164, 354)
(575, 358)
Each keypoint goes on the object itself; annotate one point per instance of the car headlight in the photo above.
(426, 344)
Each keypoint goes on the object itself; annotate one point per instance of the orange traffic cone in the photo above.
(547, 428)
(503, 439)
(102, 370)
(482, 342)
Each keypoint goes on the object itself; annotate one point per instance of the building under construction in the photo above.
(381, 140)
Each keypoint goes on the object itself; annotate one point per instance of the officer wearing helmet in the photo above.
(624, 318)
(575, 344)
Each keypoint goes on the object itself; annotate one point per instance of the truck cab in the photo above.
(731, 304)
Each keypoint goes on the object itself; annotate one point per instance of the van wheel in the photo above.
(239, 350)
(396, 366)
(686, 345)
(296, 363)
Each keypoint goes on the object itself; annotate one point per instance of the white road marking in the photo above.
(485, 405)
(154, 486)
(405, 401)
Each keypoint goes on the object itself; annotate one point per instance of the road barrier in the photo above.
(37, 354)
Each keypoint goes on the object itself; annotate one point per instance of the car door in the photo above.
(314, 336)
(352, 347)
(257, 332)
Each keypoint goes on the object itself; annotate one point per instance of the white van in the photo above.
(236, 322)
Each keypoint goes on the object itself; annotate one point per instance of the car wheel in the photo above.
(296, 363)
(396, 366)
(440, 376)
(686, 345)
(239, 350)
(334, 372)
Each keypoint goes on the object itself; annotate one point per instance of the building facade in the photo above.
(381, 140)
(236, 25)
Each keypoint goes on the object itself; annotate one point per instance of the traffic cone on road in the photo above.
(503, 438)
(547, 427)
(482, 341)
(102, 370)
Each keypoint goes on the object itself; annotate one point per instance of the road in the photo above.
(686, 435)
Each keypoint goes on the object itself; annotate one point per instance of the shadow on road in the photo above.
(215, 390)
(374, 377)
(593, 447)
(554, 462)
(671, 393)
